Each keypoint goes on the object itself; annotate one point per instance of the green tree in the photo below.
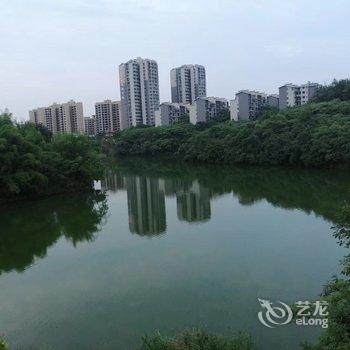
(34, 164)
(337, 90)
(316, 134)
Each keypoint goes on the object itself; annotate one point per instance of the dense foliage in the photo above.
(337, 90)
(316, 134)
(197, 340)
(35, 164)
(3, 345)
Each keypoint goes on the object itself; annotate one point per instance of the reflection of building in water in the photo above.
(172, 186)
(146, 200)
(146, 205)
(193, 204)
(113, 181)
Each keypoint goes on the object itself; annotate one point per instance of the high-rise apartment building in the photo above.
(43, 116)
(60, 118)
(205, 109)
(292, 95)
(90, 125)
(107, 114)
(188, 82)
(139, 91)
(247, 103)
(172, 113)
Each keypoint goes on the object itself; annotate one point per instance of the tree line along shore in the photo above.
(313, 135)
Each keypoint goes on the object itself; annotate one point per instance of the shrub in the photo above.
(197, 340)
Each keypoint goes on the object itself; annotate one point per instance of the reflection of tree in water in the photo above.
(28, 229)
(148, 182)
(311, 190)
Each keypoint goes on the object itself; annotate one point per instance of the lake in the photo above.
(168, 247)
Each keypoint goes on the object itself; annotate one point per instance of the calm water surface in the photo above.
(167, 247)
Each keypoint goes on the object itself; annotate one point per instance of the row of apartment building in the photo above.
(140, 104)
(203, 109)
(69, 118)
(245, 106)
(247, 103)
(60, 118)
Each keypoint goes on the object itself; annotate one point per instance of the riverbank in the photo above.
(313, 135)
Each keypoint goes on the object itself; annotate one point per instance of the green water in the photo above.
(168, 247)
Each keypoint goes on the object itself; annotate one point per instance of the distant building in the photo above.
(188, 82)
(205, 109)
(292, 95)
(107, 114)
(171, 113)
(139, 90)
(273, 100)
(43, 116)
(247, 103)
(60, 118)
(90, 125)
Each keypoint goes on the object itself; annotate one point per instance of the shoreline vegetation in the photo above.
(34, 164)
(316, 134)
(193, 339)
(198, 339)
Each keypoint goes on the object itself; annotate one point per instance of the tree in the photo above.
(337, 90)
(34, 164)
(316, 134)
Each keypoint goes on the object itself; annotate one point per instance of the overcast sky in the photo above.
(57, 50)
